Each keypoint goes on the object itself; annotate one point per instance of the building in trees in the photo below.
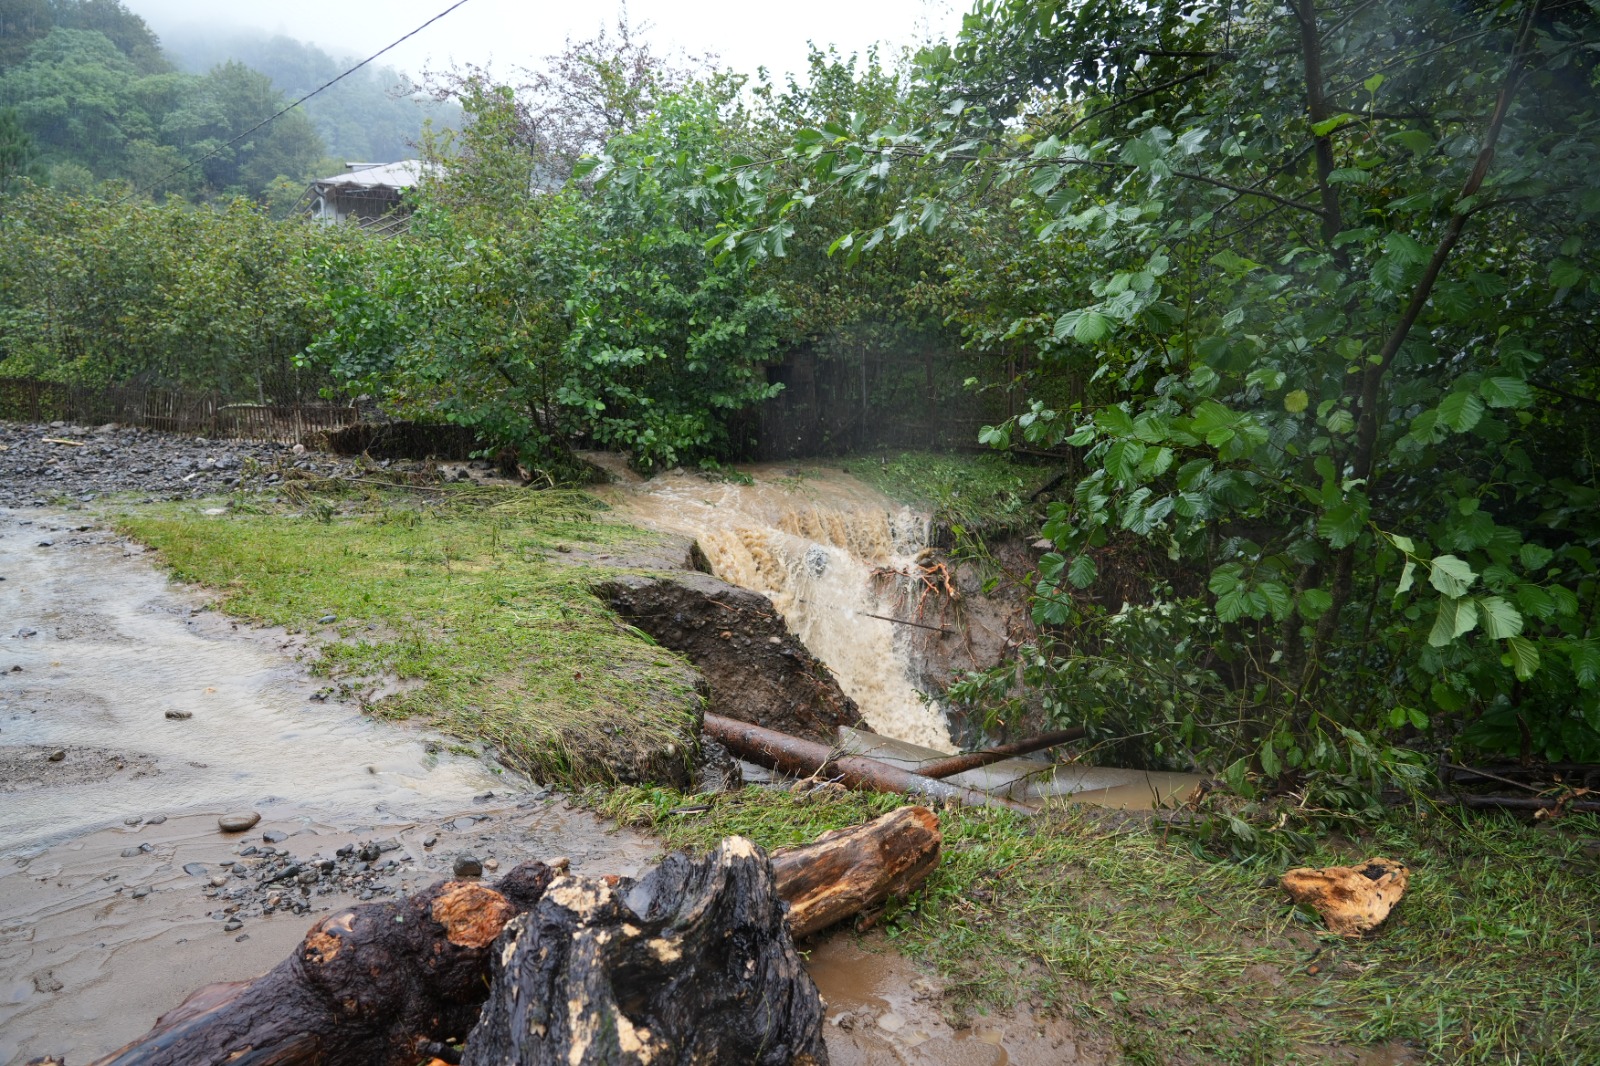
(372, 195)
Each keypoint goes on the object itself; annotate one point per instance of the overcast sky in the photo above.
(509, 33)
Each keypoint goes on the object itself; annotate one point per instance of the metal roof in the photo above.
(401, 175)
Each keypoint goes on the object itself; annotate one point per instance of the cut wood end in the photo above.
(471, 914)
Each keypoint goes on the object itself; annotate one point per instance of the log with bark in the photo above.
(973, 760)
(391, 984)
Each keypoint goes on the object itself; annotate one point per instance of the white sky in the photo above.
(508, 33)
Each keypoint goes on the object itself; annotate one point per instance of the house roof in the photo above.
(401, 175)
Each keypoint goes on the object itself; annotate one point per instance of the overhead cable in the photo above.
(268, 121)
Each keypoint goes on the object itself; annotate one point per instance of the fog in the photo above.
(508, 33)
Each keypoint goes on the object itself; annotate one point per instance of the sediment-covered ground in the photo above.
(44, 464)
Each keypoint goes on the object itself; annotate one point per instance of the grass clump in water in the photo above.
(470, 596)
(1181, 957)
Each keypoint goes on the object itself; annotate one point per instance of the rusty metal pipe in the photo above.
(971, 760)
(792, 755)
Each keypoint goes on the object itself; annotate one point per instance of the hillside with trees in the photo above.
(1297, 306)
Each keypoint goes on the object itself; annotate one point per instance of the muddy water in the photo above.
(880, 1011)
(101, 926)
(107, 650)
(825, 548)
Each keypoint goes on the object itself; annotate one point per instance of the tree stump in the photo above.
(692, 964)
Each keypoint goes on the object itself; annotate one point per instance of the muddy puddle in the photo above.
(882, 1011)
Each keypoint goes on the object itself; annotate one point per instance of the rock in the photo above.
(1352, 900)
(141, 892)
(135, 820)
(231, 925)
(195, 869)
(218, 880)
(155, 819)
(57, 755)
(180, 716)
(237, 823)
(328, 618)
(467, 866)
(491, 864)
(429, 841)
(273, 836)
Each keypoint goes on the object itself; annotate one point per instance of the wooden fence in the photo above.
(204, 414)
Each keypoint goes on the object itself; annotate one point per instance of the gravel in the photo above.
(36, 472)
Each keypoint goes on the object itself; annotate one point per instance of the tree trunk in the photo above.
(692, 964)
(848, 871)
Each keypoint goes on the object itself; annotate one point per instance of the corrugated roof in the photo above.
(401, 175)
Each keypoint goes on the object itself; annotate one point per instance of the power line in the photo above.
(268, 121)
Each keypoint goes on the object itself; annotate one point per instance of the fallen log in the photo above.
(389, 984)
(381, 983)
(848, 871)
(791, 755)
(972, 760)
(692, 964)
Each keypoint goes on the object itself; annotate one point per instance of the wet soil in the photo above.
(754, 667)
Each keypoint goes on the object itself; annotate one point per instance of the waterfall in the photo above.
(828, 551)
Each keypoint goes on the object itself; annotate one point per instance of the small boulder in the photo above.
(238, 823)
(1351, 899)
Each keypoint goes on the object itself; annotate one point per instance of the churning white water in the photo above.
(828, 550)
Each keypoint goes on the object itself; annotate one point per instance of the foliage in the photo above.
(18, 156)
(96, 293)
(548, 319)
(94, 92)
(1331, 274)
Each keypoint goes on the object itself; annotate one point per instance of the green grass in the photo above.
(468, 593)
(1185, 958)
(983, 493)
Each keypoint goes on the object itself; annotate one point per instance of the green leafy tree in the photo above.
(1334, 268)
(18, 157)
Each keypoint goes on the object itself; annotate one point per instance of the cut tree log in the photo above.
(848, 871)
(389, 984)
(972, 760)
(692, 964)
(805, 758)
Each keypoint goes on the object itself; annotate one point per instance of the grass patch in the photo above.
(1185, 958)
(984, 494)
(468, 592)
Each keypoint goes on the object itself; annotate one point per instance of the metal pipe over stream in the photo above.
(792, 755)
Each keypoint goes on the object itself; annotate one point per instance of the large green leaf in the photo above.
(1455, 618)
(1524, 657)
(1500, 618)
(1460, 411)
(1451, 576)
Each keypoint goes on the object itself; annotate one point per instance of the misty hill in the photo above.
(371, 116)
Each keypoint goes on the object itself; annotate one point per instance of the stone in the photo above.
(180, 716)
(238, 823)
(467, 866)
(273, 836)
(195, 869)
(57, 755)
